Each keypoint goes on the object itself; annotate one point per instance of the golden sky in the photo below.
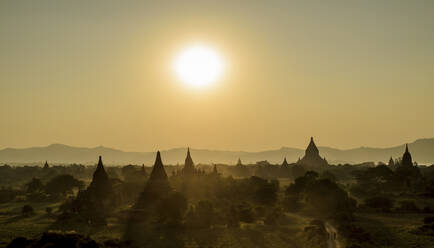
(350, 73)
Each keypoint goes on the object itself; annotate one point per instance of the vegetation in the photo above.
(126, 206)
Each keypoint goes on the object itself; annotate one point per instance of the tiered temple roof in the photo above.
(312, 157)
(406, 158)
(189, 168)
(100, 174)
(158, 182)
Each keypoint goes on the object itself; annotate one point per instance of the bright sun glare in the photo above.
(198, 66)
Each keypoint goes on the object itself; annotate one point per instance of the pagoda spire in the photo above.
(189, 164)
(158, 171)
(285, 163)
(100, 173)
(311, 148)
(312, 158)
(158, 184)
(406, 157)
(391, 162)
(100, 185)
(100, 165)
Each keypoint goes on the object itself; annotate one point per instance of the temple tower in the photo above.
(312, 158)
(100, 186)
(188, 165)
(285, 164)
(406, 158)
(391, 162)
(158, 184)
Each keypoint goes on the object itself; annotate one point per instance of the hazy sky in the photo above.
(89, 73)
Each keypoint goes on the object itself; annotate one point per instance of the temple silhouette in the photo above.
(157, 186)
(406, 158)
(312, 158)
(285, 164)
(143, 216)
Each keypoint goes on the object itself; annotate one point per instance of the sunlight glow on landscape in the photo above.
(198, 66)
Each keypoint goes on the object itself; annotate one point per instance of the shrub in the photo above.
(27, 210)
(274, 216)
(428, 220)
(379, 202)
(48, 210)
(408, 207)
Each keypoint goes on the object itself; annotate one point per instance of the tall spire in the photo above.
(406, 157)
(391, 162)
(100, 171)
(311, 148)
(100, 184)
(100, 165)
(46, 165)
(285, 163)
(239, 162)
(215, 169)
(189, 164)
(158, 171)
(158, 182)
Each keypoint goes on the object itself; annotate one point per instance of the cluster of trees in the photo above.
(203, 203)
(58, 186)
(383, 180)
(320, 197)
(15, 176)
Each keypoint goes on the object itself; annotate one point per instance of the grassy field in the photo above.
(386, 229)
(394, 230)
(13, 224)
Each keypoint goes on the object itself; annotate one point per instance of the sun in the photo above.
(198, 66)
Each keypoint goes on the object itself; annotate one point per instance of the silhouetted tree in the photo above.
(62, 185)
(34, 186)
(27, 210)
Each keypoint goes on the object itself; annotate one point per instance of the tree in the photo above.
(27, 210)
(34, 186)
(133, 173)
(204, 214)
(379, 202)
(171, 209)
(49, 210)
(62, 185)
(328, 199)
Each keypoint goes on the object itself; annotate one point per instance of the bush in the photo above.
(408, 207)
(48, 210)
(291, 203)
(428, 220)
(274, 216)
(379, 203)
(27, 210)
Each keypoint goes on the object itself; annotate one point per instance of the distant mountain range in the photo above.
(422, 151)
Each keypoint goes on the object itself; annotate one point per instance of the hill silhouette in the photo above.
(422, 150)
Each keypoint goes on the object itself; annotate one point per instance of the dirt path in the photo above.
(333, 241)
